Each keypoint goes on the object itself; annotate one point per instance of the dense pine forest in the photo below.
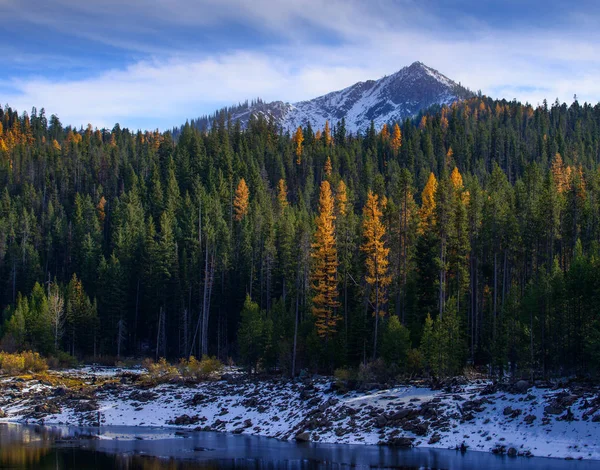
(467, 236)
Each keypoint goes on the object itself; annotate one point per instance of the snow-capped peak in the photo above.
(391, 98)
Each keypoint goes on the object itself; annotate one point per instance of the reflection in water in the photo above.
(23, 448)
(64, 448)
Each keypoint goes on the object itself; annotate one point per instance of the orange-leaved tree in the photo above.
(282, 194)
(376, 260)
(298, 139)
(325, 265)
(396, 138)
(241, 200)
(427, 211)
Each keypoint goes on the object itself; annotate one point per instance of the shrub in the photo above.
(199, 370)
(62, 360)
(414, 362)
(12, 364)
(34, 362)
(374, 372)
(19, 363)
(161, 371)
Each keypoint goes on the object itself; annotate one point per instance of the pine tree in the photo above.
(325, 264)
(241, 200)
(376, 258)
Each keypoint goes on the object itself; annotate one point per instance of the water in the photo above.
(45, 448)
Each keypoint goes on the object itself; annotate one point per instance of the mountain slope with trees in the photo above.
(467, 235)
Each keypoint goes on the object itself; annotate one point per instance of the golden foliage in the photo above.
(561, 174)
(282, 194)
(327, 133)
(456, 178)
(427, 211)
(325, 264)
(396, 138)
(100, 209)
(298, 139)
(385, 133)
(20, 363)
(423, 123)
(341, 198)
(376, 260)
(328, 167)
(241, 200)
(56, 145)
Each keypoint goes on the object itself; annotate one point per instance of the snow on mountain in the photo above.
(391, 98)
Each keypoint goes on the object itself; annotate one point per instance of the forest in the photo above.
(467, 236)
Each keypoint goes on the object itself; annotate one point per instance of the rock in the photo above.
(552, 409)
(303, 437)
(60, 391)
(184, 420)
(521, 387)
(381, 421)
(507, 411)
(401, 414)
(2, 414)
(529, 419)
(421, 429)
(86, 407)
(499, 449)
(434, 439)
(404, 442)
(511, 452)
(142, 397)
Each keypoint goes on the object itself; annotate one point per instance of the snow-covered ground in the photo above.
(549, 422)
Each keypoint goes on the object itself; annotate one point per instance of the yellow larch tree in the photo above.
(328, 167)
(298, 139)
(427, 211)
(341, 198)
(324, 268)
(327, 134)
(282, 194)
(100, 209)
(376, 257)
(396, 138)
(241, 200)
(561, 174)
(385, 133)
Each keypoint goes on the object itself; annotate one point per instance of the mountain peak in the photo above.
(390, 99)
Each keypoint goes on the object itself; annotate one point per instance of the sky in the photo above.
(150, 64)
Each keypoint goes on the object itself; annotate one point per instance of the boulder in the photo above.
(404, 442)
(521, 386)
(303, 437)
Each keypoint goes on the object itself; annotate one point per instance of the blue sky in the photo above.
(154, 63)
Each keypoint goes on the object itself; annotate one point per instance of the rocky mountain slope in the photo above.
(389, 99)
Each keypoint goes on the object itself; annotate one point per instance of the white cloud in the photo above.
(370, 39)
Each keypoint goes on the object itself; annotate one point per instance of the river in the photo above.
(52, 447)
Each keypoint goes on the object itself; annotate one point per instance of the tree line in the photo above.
(467, 235)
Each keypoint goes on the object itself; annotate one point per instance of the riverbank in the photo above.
(544, 420)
